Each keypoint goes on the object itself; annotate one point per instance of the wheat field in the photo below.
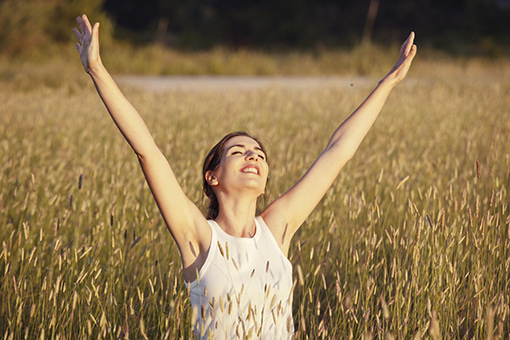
(411, 242)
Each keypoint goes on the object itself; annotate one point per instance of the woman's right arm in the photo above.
(184, 220)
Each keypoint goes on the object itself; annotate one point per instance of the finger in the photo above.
(95, 32)
(406, 46)
(95, 29)
(77, 33)
(79, 21)
(78, 47)
(86, 22)
(82, 27)
(412, 52)
(410, 42)
(409, 59)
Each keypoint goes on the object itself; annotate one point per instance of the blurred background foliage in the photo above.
(36, 26)
(225, 29)
(444, 24)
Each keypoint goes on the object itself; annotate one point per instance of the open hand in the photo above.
(407, 54)
(88, 43)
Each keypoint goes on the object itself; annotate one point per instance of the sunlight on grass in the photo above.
(412, 240)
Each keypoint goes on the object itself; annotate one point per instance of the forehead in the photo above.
(242, 140)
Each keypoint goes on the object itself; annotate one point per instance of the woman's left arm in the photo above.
(288, 212)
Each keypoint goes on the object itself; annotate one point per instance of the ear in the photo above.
(211, 178)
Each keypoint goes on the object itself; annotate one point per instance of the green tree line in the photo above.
(28, 25)
(308, 23)
(443, 24)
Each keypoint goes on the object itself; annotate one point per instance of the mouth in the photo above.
(250, 170)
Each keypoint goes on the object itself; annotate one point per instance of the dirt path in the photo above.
(224, 83)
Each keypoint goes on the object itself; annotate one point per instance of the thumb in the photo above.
(95, 31)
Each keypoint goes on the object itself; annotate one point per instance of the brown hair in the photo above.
(211, 162)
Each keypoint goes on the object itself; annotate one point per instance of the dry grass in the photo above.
(412, 240)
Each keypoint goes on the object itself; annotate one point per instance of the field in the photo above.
(412, 240)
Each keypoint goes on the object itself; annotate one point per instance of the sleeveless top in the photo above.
(244, 289)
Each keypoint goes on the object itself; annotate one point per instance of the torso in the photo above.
(244, 287)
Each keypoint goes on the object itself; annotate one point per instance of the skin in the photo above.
(236, 189)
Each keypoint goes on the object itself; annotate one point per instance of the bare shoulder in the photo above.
(279, 226)
(193, 241)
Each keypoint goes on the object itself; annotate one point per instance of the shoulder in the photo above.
(279, 230)
(194, 248)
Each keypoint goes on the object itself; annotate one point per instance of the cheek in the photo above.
(225, 169)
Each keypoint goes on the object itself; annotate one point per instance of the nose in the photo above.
(251, 156)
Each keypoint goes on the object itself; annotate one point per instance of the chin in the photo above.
(257, 189)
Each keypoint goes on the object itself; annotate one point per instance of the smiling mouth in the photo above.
(251, 170)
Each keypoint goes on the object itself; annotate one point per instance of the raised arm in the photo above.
(288, 212)
(125, 116)
(185, 221)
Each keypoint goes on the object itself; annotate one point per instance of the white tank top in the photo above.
(244, 288)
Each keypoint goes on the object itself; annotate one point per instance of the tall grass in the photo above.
(412, 240)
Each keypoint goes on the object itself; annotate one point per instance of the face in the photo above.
(243, 166)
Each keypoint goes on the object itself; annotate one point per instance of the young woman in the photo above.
(235, 263)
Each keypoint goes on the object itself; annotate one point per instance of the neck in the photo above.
(236, 215)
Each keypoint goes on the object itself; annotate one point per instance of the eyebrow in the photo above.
(244, 147)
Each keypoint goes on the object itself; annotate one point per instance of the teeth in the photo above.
(252, 170)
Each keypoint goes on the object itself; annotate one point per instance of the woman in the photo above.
(235, 263)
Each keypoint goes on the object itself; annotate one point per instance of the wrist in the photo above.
(95, 67)
(388, 81)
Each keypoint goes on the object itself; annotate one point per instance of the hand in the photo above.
(407, 54)
(88, 43)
